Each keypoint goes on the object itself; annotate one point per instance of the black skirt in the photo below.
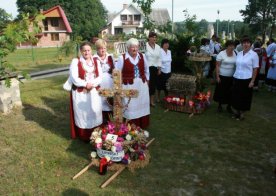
(270, 82)
(152, 81)
(241, 94)
(223, 89)
(162, 80)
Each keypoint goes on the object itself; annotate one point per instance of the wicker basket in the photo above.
(181, 85)
(182, 108)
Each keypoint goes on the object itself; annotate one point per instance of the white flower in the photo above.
(93, 154)
(98, 140)
(146, 133)
(128, 137)
(95, 134)
(113, 148)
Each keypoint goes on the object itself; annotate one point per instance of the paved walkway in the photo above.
(48, 73)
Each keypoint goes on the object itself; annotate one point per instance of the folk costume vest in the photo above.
(110, 63)
(128, 70)
(82, 74)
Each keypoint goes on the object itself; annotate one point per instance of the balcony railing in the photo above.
(130, 22)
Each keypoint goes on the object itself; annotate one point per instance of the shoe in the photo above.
(152, 105)
(219, 109)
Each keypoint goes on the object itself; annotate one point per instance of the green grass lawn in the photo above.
(207, 154)
(38, 59)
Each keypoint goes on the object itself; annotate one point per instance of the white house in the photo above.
(130, 20)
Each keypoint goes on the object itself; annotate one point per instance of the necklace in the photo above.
(87, 66)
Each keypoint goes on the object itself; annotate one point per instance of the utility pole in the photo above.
(172, 16)
(218, 24)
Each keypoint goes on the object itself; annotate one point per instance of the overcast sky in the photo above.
(203, 9)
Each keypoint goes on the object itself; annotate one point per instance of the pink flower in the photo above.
(111, 127)
(124, 128)
(120, 139)
(99, 145)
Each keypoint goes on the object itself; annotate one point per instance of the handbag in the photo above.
(68, 85)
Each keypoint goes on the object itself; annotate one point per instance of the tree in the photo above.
(86, 17)
(145, 6)
(259, 13)
(190, 23)
(5, 18)
(13, 34)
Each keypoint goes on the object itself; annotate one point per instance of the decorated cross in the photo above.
(118, 93)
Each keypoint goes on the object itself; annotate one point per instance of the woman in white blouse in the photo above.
(85, 101)
(225, 67)
(153, 56)
(166, 60)
(247, 64)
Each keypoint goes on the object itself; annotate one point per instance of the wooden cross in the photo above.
(118, 93)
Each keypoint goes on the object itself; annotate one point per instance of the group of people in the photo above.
(238, 70)
(142, 72)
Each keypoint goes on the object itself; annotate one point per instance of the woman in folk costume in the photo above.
(86, 104)
(271, 74)
(153, 55)
(135, 75)
(247, 63)
(107, 64)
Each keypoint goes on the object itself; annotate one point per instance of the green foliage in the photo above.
(71, 47)
(179, 45)
(5, 18)
(145, 6)
(13, 34)
(190, 23)
(260, 14)
(86, 17)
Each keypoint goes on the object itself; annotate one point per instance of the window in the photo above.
(123, 17)
(139, 30)
(54, 22)
(55, 37)
(137, 17)
(45, 24)
(118, 31)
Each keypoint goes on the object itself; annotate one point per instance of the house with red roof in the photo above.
(55, 29)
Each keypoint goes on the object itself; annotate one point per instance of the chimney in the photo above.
(41, 11)
(125, 6)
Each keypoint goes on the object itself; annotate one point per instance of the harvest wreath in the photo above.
(125, 144)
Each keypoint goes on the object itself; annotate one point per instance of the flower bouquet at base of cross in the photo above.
(122, 143)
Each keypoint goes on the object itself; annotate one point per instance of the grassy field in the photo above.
(38, 59)
(208, 154)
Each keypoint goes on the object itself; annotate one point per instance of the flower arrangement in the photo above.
(119, 143)
(175, 100)
(200, 101)
(195, 104)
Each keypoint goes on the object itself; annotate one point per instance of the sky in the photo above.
(203, 9)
